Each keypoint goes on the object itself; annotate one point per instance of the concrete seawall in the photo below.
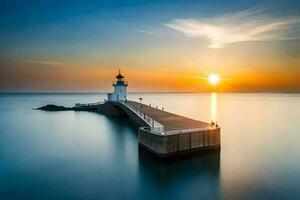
(180, 143)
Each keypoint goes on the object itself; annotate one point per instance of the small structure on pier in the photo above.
(120, 89)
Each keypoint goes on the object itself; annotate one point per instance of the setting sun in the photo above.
(213, 79)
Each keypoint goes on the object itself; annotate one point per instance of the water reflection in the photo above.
(214, 107)
(68, 155)
(185, 178)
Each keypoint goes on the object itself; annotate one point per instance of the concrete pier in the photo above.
(163, 133)
(180, 134)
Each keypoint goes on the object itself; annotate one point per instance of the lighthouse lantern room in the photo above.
(120, 93)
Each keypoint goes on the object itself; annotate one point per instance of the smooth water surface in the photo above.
(83, 155)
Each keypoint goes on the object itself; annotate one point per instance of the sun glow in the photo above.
(213, 79)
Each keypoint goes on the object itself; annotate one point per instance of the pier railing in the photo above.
(154, 125)
(78, 105)
(191, 130)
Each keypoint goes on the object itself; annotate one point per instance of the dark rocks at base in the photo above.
(52, 107)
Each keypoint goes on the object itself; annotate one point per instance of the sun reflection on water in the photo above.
(214, 106)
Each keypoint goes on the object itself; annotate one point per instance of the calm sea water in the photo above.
(82, 155)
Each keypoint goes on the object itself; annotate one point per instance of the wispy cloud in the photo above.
(44, 62)
(142, 31)
(248, 25)
(53, 63)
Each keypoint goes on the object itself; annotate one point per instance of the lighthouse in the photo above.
(120, 91)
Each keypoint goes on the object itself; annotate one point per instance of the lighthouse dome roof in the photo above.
(119, 75)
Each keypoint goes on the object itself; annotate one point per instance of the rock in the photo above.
(52, 107)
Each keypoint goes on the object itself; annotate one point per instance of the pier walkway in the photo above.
(171, 122)
(167, 134)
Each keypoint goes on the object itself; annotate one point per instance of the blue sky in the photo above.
(60, 25)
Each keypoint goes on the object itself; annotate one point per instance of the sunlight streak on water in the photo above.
(214, 107)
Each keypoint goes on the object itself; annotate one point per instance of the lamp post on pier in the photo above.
(141, 101)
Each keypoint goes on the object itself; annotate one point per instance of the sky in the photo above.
(160, 46)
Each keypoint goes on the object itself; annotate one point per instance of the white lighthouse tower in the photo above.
(120, 93)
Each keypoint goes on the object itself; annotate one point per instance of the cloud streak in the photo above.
(143, 31)
(244, 26)
(53, 63)
(44, 62)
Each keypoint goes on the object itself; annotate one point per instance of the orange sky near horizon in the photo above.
(37, 78)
